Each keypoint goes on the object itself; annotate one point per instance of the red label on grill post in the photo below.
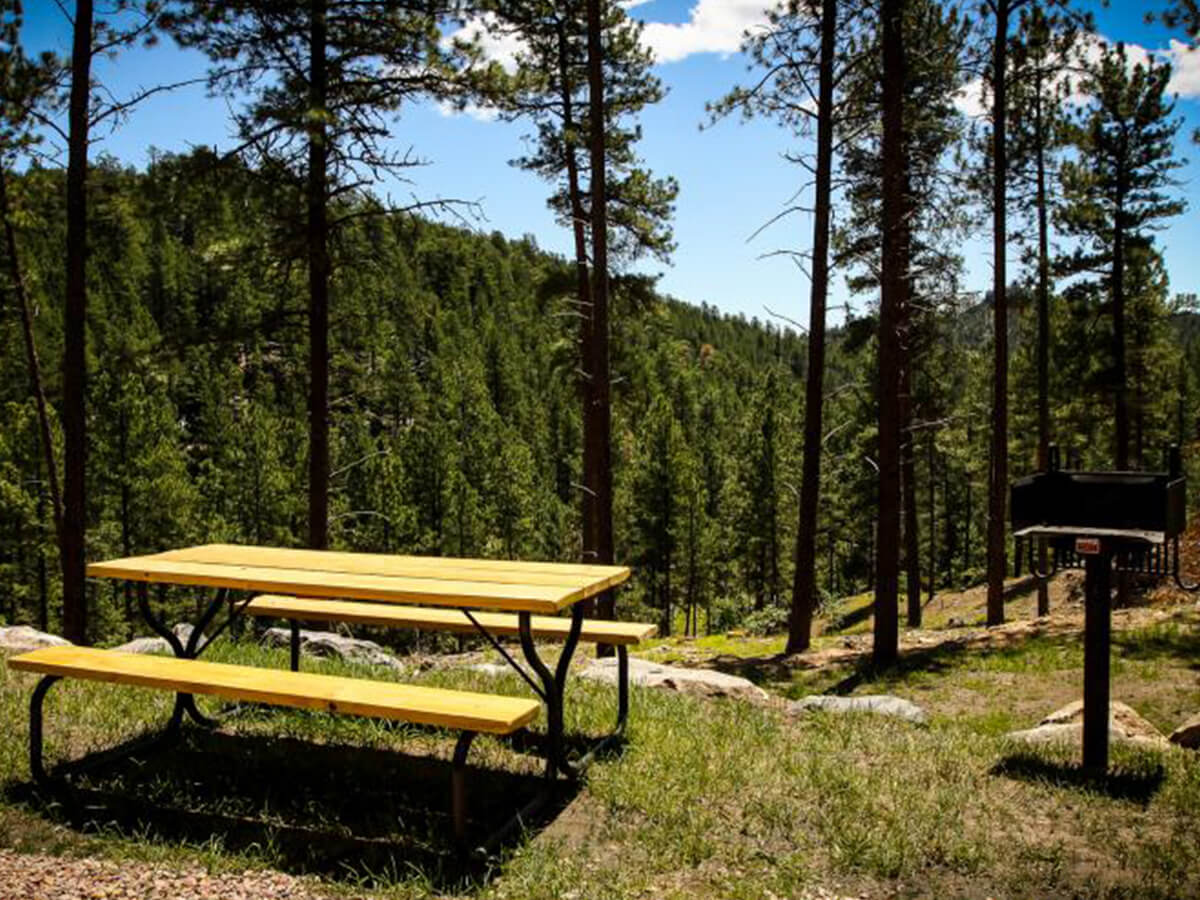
(1087, 546)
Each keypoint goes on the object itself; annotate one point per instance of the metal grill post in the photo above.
(1096, 653)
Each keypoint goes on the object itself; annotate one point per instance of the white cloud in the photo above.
(471, 111)
(497, 47)
(713, 26)
(1185, 66)
(1185, 74)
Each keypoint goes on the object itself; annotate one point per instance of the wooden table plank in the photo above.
(316, 610)
(590, 579)
(546, 599)
(384, 699)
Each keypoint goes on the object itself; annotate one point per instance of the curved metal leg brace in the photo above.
(553, 683)
(184, 703)
(458, 786)
(36, 765)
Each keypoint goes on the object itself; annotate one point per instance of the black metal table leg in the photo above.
(553, 684)
(184, 703)
(458, 786)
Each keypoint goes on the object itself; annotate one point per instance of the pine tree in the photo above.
(804, 43)
(581, 74)
(1116, 193)
(318, 82)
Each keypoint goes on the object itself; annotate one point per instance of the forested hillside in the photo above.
(454, 412)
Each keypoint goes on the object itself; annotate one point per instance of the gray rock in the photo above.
(1071, 733)
(1187, 734)
(182, 632)
(700, 682)
(1123, 720)
(329, 644)
(145, 645)
(880, 704)
(22, 638)
(1065, 726)
(491, 669)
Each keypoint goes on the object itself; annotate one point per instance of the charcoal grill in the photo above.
(1126, 517)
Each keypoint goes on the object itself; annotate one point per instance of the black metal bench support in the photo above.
(458, 786)
(56, 784)
(1097, 643)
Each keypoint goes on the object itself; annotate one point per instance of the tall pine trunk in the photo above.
(804, 593)
(998, 471)
(597, 419)
(886, 646)
(583, 287)
(17, 277)
(908, 482)
(74, 420)
(1043, 337)
(1121, 399)
(318, 289)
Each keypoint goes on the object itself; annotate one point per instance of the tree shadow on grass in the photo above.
(1134, 784)
(348, 813)
(1181, 641)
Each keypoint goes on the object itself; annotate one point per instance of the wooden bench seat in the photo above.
(435, 619)
(355, 696)
(463, 710)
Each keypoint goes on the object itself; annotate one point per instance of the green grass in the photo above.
(710, 799)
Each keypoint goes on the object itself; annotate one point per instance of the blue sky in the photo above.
(732, 177)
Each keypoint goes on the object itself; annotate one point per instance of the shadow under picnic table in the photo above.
(341, 811)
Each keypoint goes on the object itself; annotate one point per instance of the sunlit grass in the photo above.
(717, 799)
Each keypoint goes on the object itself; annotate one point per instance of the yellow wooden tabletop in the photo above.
(515, 586)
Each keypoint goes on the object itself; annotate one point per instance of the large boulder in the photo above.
(1187, 734)
(879, 704)
(700, 682)
(22, 638)
(1065, 725)
(335, 646)
(1122, 719)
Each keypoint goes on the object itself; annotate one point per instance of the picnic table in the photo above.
(491, 597)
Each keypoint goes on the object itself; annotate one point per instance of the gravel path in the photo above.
(38, 877)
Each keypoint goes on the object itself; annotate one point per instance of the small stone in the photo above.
(880, 704)
(1187, 734)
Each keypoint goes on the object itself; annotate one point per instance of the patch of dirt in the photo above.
(35, 876)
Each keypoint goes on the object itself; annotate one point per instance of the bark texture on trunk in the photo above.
(908, 483)
(1043, 337)
(17, 277)
(318, 290)
(885, 648)
(998, 472)
(804, 588)
(1121, 394)
(74, 418)
(597, 417)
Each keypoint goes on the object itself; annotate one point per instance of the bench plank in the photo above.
(312, 583)
(304, 690)
(589, 578)
(547, 627)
